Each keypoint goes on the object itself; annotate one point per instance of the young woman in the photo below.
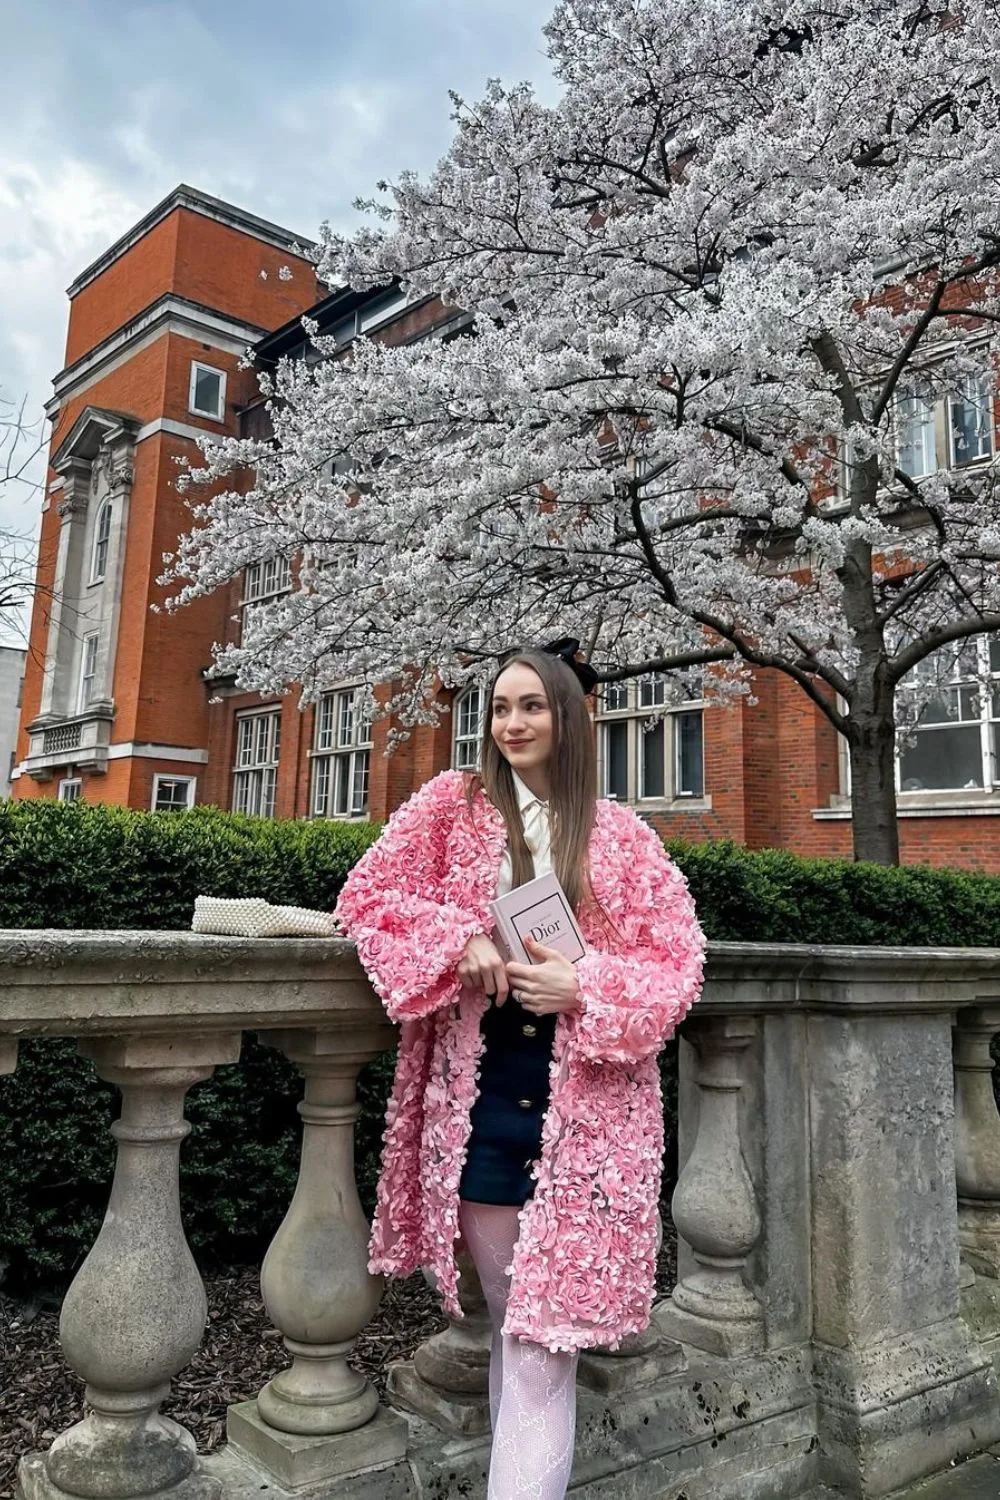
(526, 1117)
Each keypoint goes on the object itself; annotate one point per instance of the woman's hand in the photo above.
(548, 985)
(481, 967)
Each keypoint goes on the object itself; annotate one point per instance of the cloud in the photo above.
(291, 113)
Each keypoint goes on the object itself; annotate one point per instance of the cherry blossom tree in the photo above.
(715, 296)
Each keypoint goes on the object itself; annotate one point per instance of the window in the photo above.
(70, 789)
(255, 775)
(173, 793)
(648, 751)
(207, 392)
(102, 537)
(262, 582)
(970, 423)
(467, 720)
(265, 579)
(955, 743)
(916, 441)
(341, 756)
(88, 671)
(954, 431)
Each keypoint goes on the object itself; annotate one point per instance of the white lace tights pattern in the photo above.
(532, 1389)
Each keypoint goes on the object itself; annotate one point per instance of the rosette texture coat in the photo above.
(583, 1267)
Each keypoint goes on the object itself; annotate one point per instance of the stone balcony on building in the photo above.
(82, 740)
(836, 1318)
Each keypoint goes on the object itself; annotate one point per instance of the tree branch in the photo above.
(958, 630)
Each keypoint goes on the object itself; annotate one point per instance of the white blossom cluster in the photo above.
(699, 286)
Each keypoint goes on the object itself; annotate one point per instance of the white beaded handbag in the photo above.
(253, 917)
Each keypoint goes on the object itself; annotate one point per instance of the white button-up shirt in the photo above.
(535, 822)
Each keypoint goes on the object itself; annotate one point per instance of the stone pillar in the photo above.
(977, 1143)
(135, 1313)
(714, 1204)
(304, 1426)
(448, 1379)
(902, 1387)
(64, 605)
(8, 1054)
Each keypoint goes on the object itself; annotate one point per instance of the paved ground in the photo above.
(979, 1479)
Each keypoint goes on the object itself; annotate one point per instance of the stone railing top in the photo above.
(803, 976)
(95, 983)
(90, 983)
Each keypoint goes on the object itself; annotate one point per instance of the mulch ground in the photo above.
(40, 1395)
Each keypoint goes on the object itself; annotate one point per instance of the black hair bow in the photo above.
(566, 648)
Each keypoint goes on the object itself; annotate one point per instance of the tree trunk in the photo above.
(872, 741)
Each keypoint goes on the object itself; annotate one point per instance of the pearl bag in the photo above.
(253, 917)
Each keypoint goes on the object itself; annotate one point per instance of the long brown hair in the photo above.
(572, 779)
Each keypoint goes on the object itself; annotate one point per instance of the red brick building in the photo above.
(117, 706)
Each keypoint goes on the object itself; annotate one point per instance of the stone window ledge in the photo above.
(669, 805)
(987, 806)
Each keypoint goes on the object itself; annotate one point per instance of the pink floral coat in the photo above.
(583, 1267)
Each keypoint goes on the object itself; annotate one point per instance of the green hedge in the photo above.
(771, 896)
(96, 867)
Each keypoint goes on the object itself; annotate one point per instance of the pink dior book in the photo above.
(538, 909)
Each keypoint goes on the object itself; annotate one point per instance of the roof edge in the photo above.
(184, 196)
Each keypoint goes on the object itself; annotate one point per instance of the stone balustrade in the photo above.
(836, 1318)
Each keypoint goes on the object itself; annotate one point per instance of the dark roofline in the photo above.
(331, 309)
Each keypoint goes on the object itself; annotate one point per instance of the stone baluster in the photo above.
(714, 1204)
(8, 1054)
(135, 1313)
(448, 1379)
(977, 1145)
(319, 1418)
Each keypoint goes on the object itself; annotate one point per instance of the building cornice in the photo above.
(168, 314)
(197, 202)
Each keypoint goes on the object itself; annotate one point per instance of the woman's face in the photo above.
(521, 719)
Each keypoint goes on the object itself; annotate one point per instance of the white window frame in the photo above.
(473, 741)
(341, 756)
(987, 720)
(102, 542)
(989, 734)
(70, 784)
(640, 701)
(929, 443)
(262, 582)
(219, 414)
(939, 429)
(161, 776)
(981, 390)
(89, 651)
(257, 755)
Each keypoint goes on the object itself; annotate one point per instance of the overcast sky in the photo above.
(291, 110)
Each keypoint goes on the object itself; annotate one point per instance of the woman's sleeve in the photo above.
(633, 1001)
(409, 940)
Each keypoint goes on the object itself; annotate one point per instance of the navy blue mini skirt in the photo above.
(507, 1117)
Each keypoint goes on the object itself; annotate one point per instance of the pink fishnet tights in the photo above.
(532, 1389)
